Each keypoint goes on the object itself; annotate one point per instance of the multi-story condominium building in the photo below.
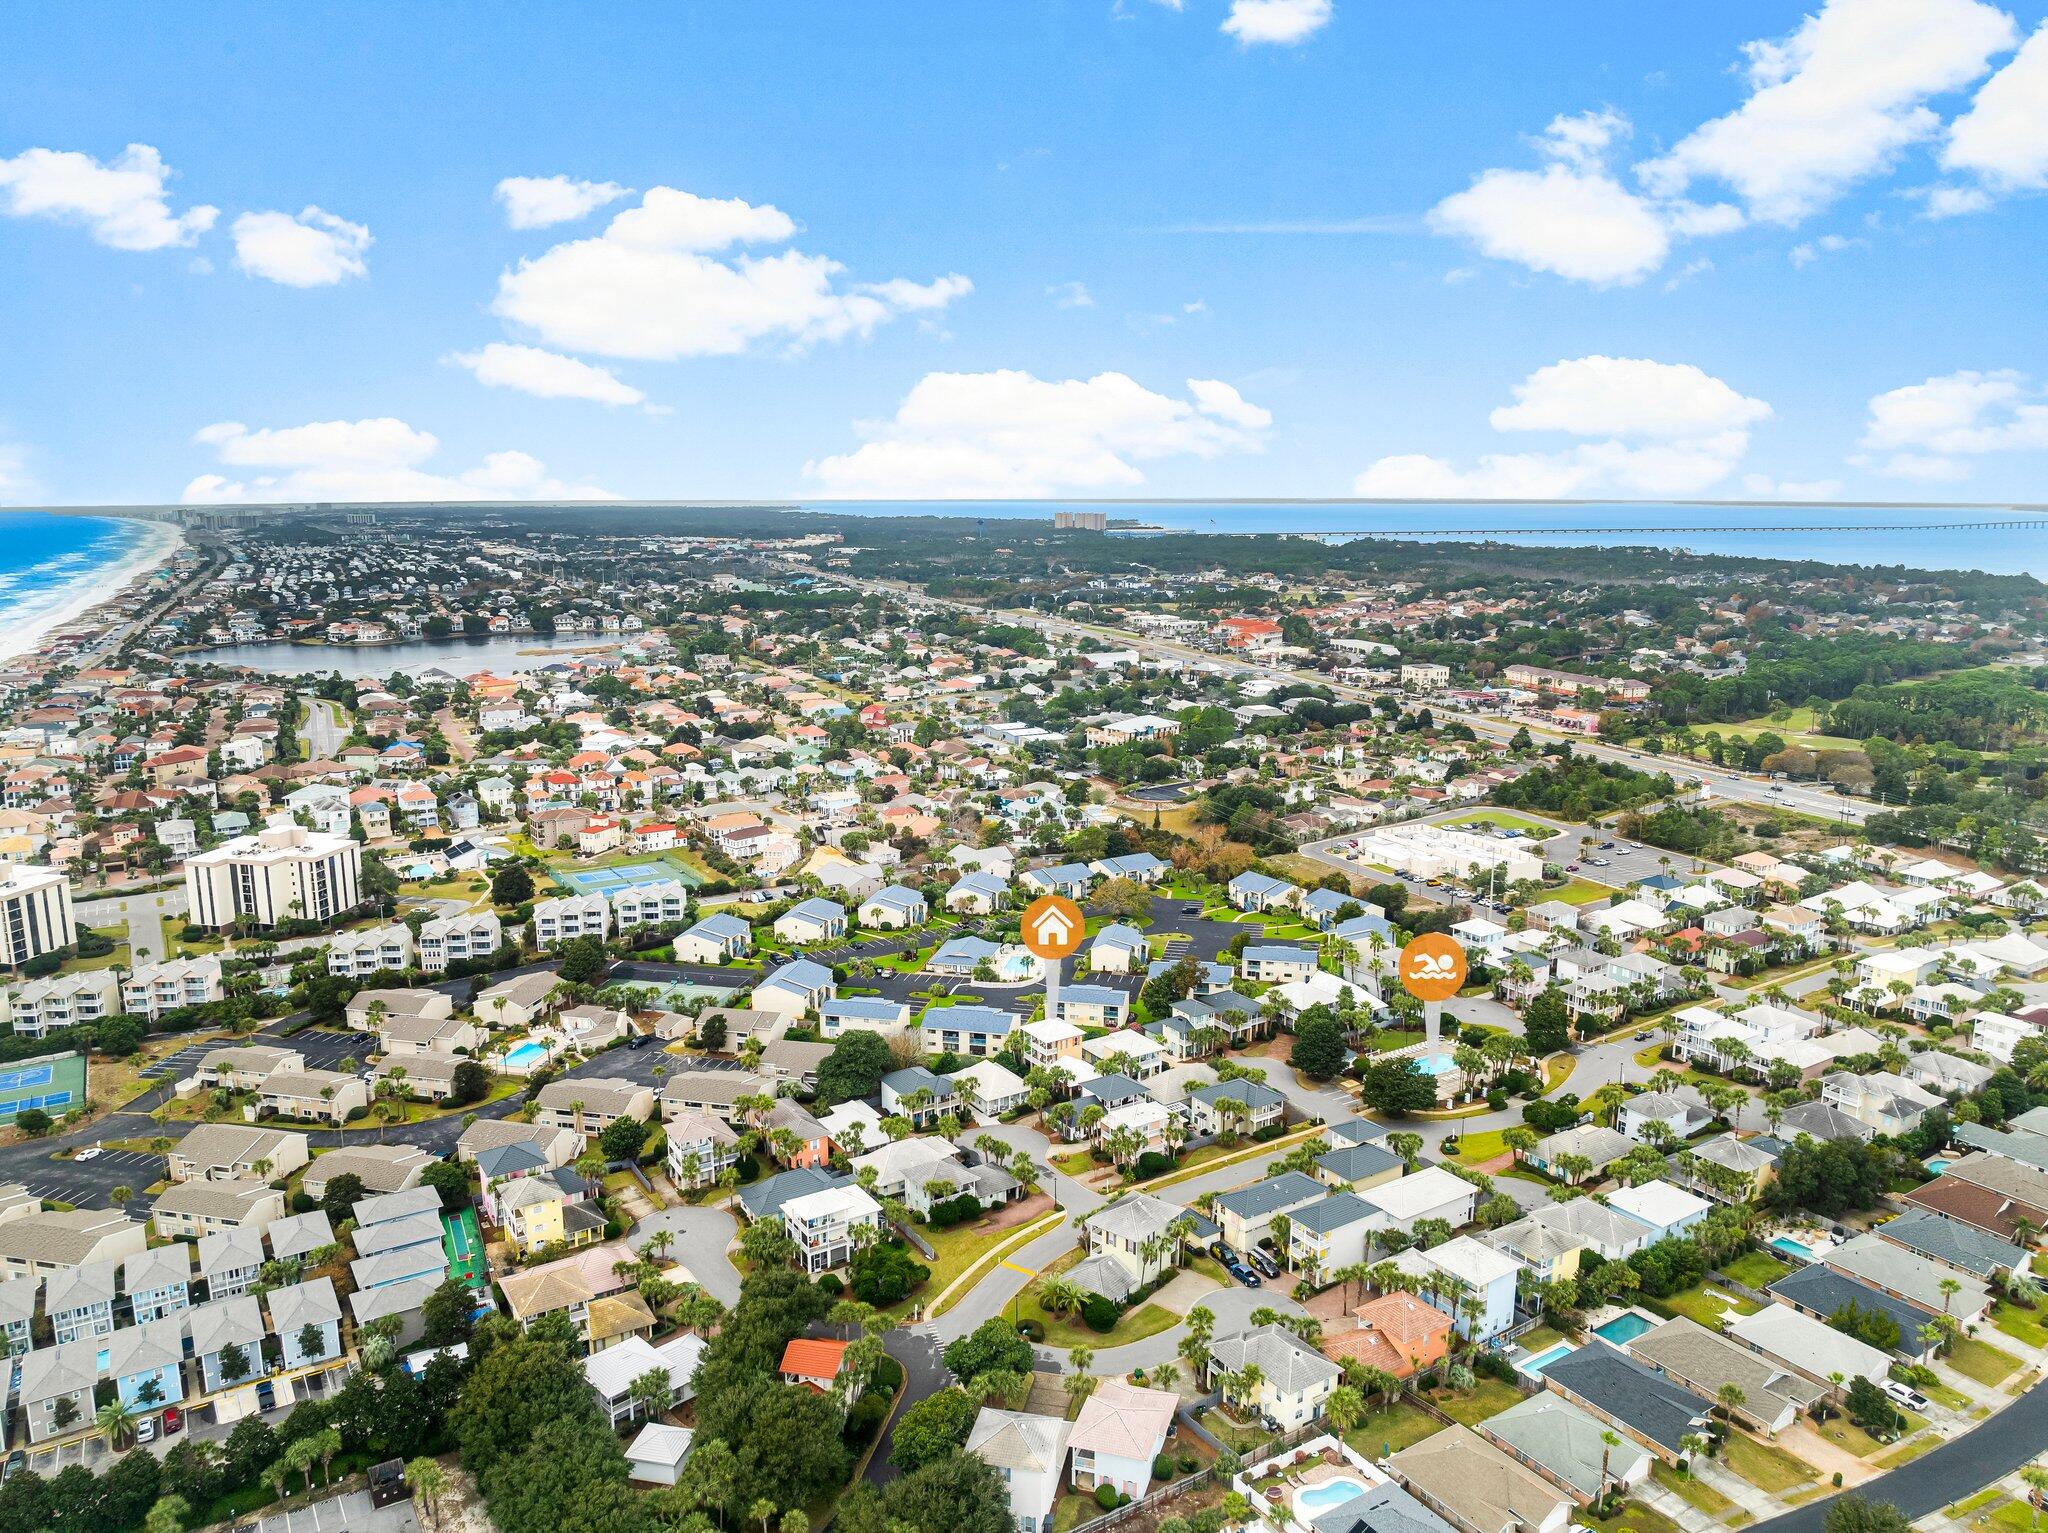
(35, 913)
(359, 954)
(458, 939)
(156, 988)
(822, 1224)
(61, 1000)
(569, 916)
(281, 873)
(651, 904)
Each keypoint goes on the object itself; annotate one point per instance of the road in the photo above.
(325, 729)
(142, 914)
(117, 636)
(1744, 787)
(1982, 1456)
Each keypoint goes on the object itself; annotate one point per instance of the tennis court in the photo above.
(611, 879)
(464, 1244)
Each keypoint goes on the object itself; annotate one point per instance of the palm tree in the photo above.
(2035, 1478)
(115, 1422)
(427, 1481)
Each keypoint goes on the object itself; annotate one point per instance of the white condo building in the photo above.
(35, 913)
(281, 873)
(152, 989)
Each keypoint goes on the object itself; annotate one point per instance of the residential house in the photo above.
(1477, 1487)
(1294, 1380)
(1121, 1430)
(1638, 1402)
(797, 989)
(1772, 1396)
(1568, 1446)
(1029, 1455)
(1396, 1332)
(1246, 1214)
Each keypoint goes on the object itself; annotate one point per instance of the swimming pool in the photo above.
(1320, 1498)
(1434, 1064)
(1937, 1165)
(1792, 1248)
(1623, 1329)
(1015, 966)
(526, 1056)
(1534, 1366)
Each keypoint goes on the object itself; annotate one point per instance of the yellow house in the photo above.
(538, 1213)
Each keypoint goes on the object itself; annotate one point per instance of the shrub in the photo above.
(830, 1284)
(1031, 1330)
(1270, 1132)
(1164, 1468)
(1099, 1313)
(866, 1417)
(1152, 1164)
(1106, 1497)
(954, 1210)
(1497, 1100)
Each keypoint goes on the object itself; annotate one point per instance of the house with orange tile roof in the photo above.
(813, 1362)
(1397, 1333)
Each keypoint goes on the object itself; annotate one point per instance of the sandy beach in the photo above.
(64, 605)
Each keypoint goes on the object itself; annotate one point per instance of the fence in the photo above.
(1137, 1508)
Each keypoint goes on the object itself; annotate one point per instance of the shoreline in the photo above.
(92, 589)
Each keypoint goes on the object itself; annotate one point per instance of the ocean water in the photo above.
(54, 565)
(2003, 540)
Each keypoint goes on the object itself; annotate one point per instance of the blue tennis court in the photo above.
(624, 875)
(21, 1080)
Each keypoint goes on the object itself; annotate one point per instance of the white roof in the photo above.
(1322, 989)
(849, 1202)
(659, 1443)
(1479, 1265)
(1412, 1196)
(1051, 1031)
(992, 1081)
(1809, 1345)
(1658, 1203)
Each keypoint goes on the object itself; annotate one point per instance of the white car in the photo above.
(1902, 1394)
(87, 1153)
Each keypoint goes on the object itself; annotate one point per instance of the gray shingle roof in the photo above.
(1616, 1385)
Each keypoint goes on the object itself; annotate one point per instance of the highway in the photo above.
(1742, 787)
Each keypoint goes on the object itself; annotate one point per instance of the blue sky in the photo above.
(1089, 247)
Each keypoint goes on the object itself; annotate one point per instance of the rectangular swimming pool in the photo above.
(1792, 1248)
(527, 1054)
(1623, 1329)
(1534, 1366)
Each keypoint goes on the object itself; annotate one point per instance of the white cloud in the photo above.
(1070, 295)
(535, 202)
(1835, 102)
(1626, 396)
(546, 374)
(375, 459)
(1573, 218)
(1586, 138)
(920, 297)
(123, 205)
(1581, 224)
(1955, 201)
(1764, 487)
(1285, 22)
(1806, 252)
(1923, 467)
(1008, 433)
(1666, 429)
(649, 288)
(1961, 414)
(312, 249)
(2003, 138)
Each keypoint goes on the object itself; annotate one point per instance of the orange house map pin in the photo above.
(1433, 967)
(1053, 927)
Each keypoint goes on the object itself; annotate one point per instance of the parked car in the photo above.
(1191, 910)
(145, 1430)
(173, 1419)
(1222, 1252)
(1266, 1265)
(1904, 1394)
(1244, 1275)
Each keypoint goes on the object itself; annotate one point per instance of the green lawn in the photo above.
(1844, 1433)
(1697, 1304)
(959, 1248)
(1502, 819)
(1580, 891)
(1906, 1452)
(1981, 1361)
(1488, 1397)
(1633, 1517)
(1756, 1269)
(1068, 1331)
(1699, 1495)
(2020, 1324)
(1475, 1149)
(1766, 1466)
(1389, 1431)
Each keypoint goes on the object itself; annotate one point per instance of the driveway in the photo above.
(701, 1237)
(924, 1375)
(1982, 1456)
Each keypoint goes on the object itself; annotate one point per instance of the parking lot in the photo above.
(339, 1514)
